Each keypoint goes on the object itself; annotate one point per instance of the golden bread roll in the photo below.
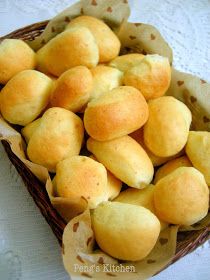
(144, 198)
(125, 231)
(108, 43)
(152, 76)
(67, 207)
(127, 61)
(72, 89)
(28, 130)
(125, 158)
(73, 47)
(81, 176)
(105, 78)
(59, 135)
(170, 166)
(138, 135)
(114, 185)
(198, 151)
(115, 113)
(167, 129)
(25, 96)
(182, 197)
(15, 56)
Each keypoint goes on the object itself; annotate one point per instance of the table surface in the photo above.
(28, 248)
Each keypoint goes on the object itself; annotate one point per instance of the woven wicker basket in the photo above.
(187, 241)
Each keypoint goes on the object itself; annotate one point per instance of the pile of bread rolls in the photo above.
(81, 86)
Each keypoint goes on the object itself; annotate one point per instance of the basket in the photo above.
(186, 242)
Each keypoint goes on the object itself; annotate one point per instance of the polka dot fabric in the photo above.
(195, 93)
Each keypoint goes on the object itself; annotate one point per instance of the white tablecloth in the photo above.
(28, 248)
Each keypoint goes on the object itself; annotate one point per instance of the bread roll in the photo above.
(198, 151)
(105, 79)
(166, 131)
(15, 56)
(115, 113)
(138, 135)
(68, 208)
(152, 76)
(125, 231)
(127, 61)
(80, 176)
(182, 197)
(25, 96)
(108, 43)
(144, 198)
(114, 185)
(72, 89)
(73, 47)
(125, 158)
(59, 135)
(170, 166)
(28, 130)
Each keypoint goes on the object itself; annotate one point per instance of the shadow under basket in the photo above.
(186, 242)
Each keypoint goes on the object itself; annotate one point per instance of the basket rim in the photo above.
(28, 28)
